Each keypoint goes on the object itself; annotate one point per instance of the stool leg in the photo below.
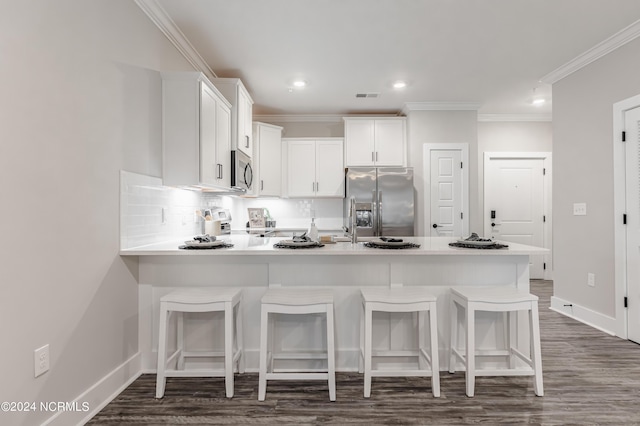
(536, 351)
(180, 340)
(228, 348)
(361, 354)
(510, 320)
(422, 362)
(471, 351)
(240, 336)
(162, 354)
(454, 336)
(435, 362)
(368, 330)
(262, 378)
(331, 355)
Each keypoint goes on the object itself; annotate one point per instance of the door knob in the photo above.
(493, 224)
(435, 225)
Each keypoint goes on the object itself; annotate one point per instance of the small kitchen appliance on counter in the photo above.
(220, 222)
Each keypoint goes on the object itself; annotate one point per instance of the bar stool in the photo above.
(399, 299)
(498, 299)
(201, 299)
(295, 302)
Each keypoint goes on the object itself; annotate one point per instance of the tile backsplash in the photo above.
(152, 213)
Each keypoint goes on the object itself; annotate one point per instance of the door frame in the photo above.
(547, 225)
(619, 209)
(426, 162)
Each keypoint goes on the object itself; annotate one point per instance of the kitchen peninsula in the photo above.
(254, 264)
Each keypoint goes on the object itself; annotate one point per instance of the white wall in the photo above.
(583, 172)
(442, 127)
(510, 136)
(80, 101)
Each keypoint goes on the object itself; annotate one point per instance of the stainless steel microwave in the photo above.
(241, 170)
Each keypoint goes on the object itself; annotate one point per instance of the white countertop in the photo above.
(250, 245)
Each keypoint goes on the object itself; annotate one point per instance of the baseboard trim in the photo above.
(100, 394)
(586, 316)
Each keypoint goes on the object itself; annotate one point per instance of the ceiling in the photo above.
(492, 53)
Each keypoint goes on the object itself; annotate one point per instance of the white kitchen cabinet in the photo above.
(267, 141)
(375, 141)
(241, 113)
(315, 167)
(195, 132)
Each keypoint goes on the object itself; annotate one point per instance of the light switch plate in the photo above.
(579, 209)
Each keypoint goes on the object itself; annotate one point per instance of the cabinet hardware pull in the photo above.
(261, 184)
(317, 187)
(372, 156)
(376, 156)
(247, 141)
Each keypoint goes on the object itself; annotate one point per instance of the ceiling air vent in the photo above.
(367, 95)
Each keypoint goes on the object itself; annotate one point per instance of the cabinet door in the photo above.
(301, 168)
(223, 144)
(359, 140)
(208, 165)
(389, 142)
(329, 169)
(270, 157)
(244, 110)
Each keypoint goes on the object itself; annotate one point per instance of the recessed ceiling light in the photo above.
(399, 85)
(538, 101)
(299, 83)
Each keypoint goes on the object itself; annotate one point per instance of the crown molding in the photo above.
(601, 49)
(309, 118)
(440, 106)
(163, 21)
(514, 117)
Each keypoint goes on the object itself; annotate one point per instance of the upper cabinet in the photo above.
(196, 138)
(375, 141)
(315, 167)
(267, 159)
(241, 113)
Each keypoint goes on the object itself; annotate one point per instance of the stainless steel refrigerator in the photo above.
(384, 200)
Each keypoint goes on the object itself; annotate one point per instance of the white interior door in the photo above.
(446, 189)
(446, 195)
(632, 187)
(514, 203)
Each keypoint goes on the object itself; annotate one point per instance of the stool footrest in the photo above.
(504, 372)
(299, 355)
(202, 354)
(398, 353)
(297, 376)
(195, 372)
(401, 373)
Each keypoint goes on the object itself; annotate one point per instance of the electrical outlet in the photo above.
(41, 361)
(591, 279)
(579, 209)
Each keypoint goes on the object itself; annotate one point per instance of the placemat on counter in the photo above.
(404, 246)
(475, 246)
(225, 245)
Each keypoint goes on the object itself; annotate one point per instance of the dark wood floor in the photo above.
(590, 378)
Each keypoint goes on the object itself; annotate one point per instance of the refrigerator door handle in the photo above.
(379, 213)
(374, 212)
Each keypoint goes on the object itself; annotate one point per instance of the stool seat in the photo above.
(494, 294)
(508, 300)
(201, 295)
(297, 297)
(199, 300)
(415, 300)
(397, 295)
(296, 301)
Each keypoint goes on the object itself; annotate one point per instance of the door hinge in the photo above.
(624, 136)
(544, 266)
(544, 172)
(461, 215)
(544, 218)
(624, 219)
(461, 164)
(626, 303)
